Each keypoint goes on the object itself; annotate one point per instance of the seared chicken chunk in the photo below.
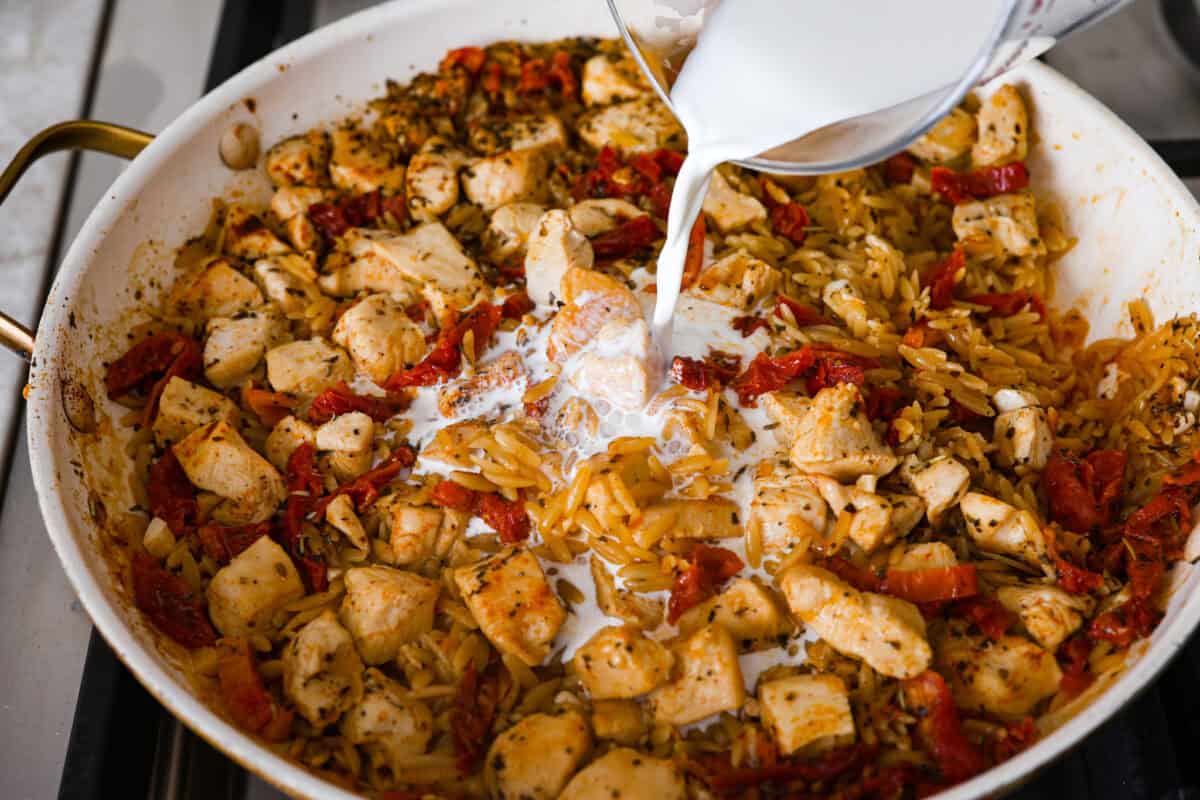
(593, 300)
(621, 365)
(601, 214)
(730, 209)
(219, 291)
(607, 78)
(357, 164)
(707, 681)
(363, 267)
(508, 177)
(431, 182)
(299, 160)
(289, 282)
(387, 723)
(554, 247)
(463, 397)
(307, 366)
(322, 673)
(1008, 676)
(1000, 528)
(513, 603)
(941, 482)
(787, 509)
(786, 409)
(245, 594)
(236, 345)
(926, 555)
(380, 337)
(948, 140)
(1023, 438)
(341, 515)
(184, 406)
(886, 632)
(294, 201)
(834, 437)
(629, 775)
(622, 721)
(619, 662)
(634, 126)
(414, 530)
(508, 231)
(534, 131)
(384, 608)
(348, 439)
(875, 519)
(1003, 129)
(1048, 613)
(1008, 221)
(246, 236)
(430, 255)
(534, 759)
(288, 434)
(217, 459)
(745, 609)
(809, 711)
(739, 280)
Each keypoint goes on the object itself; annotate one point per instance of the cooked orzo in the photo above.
(433, 517)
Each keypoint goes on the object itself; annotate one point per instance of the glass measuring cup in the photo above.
(660, 34)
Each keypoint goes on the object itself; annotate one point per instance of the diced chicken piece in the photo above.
(384, 608)
(158, 539)
(1009, 399)
(348, 439)
(1008, 676)
(513, 603)
(1009, 221)
(634, 126)
(430, 255)
(288, 434)
(1000, 528)
(593, 299)
(713, 518)
(645, 613)
(607, 78)
(299, 160)
(1023, 438)
(745, 609)
(219, 291)
(787, 509)
(927, 555)
(462, 397)
(533, 132)
(184, 406)
(508, 177)
(358, 165)
(886, 632)
(294, 201)
(619, 662)
(246, 236)
(739, 280)
(628, 775)
(307, 366)
(619, 720)
(1003, 129)
(534, 759)
(391, 726)
(236, 345)
(844, 300)
(708, 679)
(1048, 613)
(621, 365)
(876, 519)
(290, 282)
(554, 247)
(950, 139)
(217, 459)
(414, 530)
(730, 209)
(835, 437)
(341, 515)
(602, 214)
(431, 182)
(322, 673)
(941, 482)
(245, 594)
(508, 232)
(786, 409)
(360, 267)
(380, 337)
(810, 711)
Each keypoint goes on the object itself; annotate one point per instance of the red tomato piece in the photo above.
(962, 187)
(445, 359)
(508, 518)
(170, 603)
(942, 279)
(861, 578)
(366, 488)
(884, 402)
(535, 77)
(728, 781)
(270, 407)
(474, 711)
(563, 76)
(145, 362)
(469, 58)
(935, 584)
(709, 567)
(790, 220)
(746, 325)
(1076, 580)
(245, 695)
(172, 496)
(939, 728)
(985, 613)
(305, 486)
(832, 371)
(1005, 304)
(516, 306)
(804, 314)
(1073, 659)
(224, 543)
(766, 374)
(899, 168)
(340, 399)
(449, 494)
(628, 237)
(716, 369)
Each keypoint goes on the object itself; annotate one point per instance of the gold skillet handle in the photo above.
(102, 137)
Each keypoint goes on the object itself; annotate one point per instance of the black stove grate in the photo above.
(124, 744)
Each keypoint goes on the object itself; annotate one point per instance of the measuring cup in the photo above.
(660, 34)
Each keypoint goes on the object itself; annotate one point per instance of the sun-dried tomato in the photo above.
(507, 517)
(804, 314)
(884, 402)
(418, 311)
(516, 306)
(1082, 493)
(444, 361)
(305, 486)
(538, 408)
(147, 361)
(861, 578)
(962, 187)
(270, 407)
(1018, 735)
(627, 238)
(766, 373)
(1076, 579)
(563, 76)
(172, 496)
(729, 781)
(714, 370)
(747, 324)
(473, 713)
(932, 584)
(1073, 661)
(899, 168)
(643, 176)
(224, 543)
(832, 371)
(921, 334)
(985, 613)
(366, 488)
(790, 220)
(245, 695)
(1005, 304)
(469, 58)
(332, 220)
(943, 277)
(170, 603)
(535, 77)
(1134, 619)
(708, 568)
(939, 728)
(693, 260)
(340, 399)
